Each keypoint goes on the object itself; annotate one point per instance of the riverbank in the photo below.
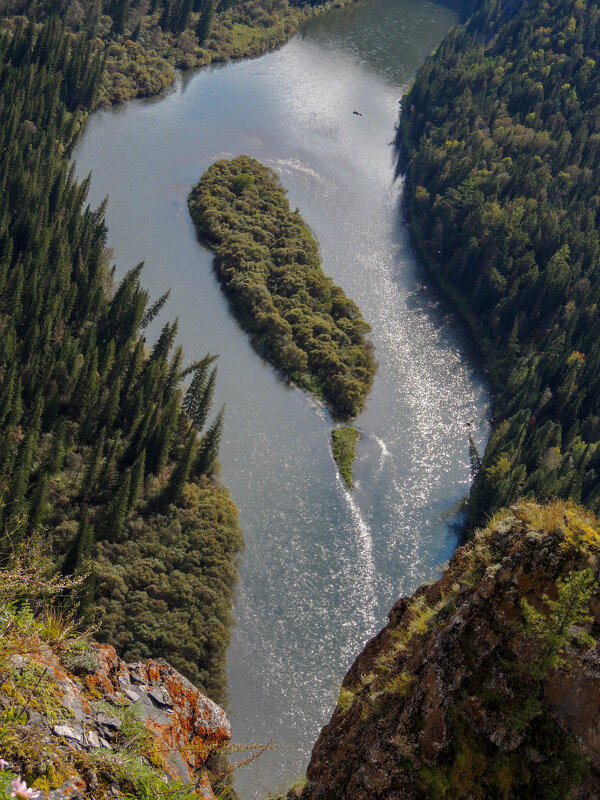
(142, 52)
(147, 66)
(104, 457)
(513, 244)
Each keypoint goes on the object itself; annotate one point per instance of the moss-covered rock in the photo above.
(113, 730)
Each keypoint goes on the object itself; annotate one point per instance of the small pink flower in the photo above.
(20, 791)
(4, 764)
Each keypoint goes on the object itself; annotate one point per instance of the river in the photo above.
(322, 565)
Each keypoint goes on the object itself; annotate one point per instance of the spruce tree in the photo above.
(93, 467)
(181, 472)
(163, 436)
(39, 505)
(207, 10)
(114, 523)
(156, 307)
(209, 446)
(137, 480)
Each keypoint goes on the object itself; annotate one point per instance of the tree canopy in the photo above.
(501, 133)
(98, 453)
(270, 266)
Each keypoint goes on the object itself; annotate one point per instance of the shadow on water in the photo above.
(428, 297)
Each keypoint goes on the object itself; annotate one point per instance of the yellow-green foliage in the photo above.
(367, 678)
(345, 699)
(133, 730)
(580, 527)
(28, 587)
(399, 685)
(30, 687)
(33, 687)
(270, 265)
(146, 613)
(421, 615)
(136, 778)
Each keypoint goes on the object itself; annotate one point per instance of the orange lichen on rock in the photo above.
(185, 726)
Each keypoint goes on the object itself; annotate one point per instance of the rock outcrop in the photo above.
(483, 685)
(95, 726)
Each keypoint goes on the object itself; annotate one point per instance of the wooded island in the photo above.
(269, 263)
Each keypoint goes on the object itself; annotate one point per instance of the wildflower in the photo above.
(20, 791)
(3, 764)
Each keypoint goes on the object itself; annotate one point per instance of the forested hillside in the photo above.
(501, 130)
(143, 41)
(102, 454)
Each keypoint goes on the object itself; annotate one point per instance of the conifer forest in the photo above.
(110, 434)
(103, 453)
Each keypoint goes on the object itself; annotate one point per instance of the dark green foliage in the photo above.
(198, 397)
(343, 443)
(501, 132)
(112, 528)
(154, 309)
(137, 480)
(209, 446)
(93, 435)
(141, 44)
(270, 265)
(181, 472)
(205, 17)
(472, 769)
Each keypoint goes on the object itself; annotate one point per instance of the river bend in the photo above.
(322, 565)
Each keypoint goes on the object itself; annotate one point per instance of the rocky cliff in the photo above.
(485, 684)
(79, 722)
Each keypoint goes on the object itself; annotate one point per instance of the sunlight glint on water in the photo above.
(322, 566)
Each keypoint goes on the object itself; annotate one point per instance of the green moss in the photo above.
(345, 699)
(33, 687)
(343, 442)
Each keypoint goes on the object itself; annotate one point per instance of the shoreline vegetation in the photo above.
(498, 138)
(142, 44)
(269, 264)
(106, 457)
(343, 445)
